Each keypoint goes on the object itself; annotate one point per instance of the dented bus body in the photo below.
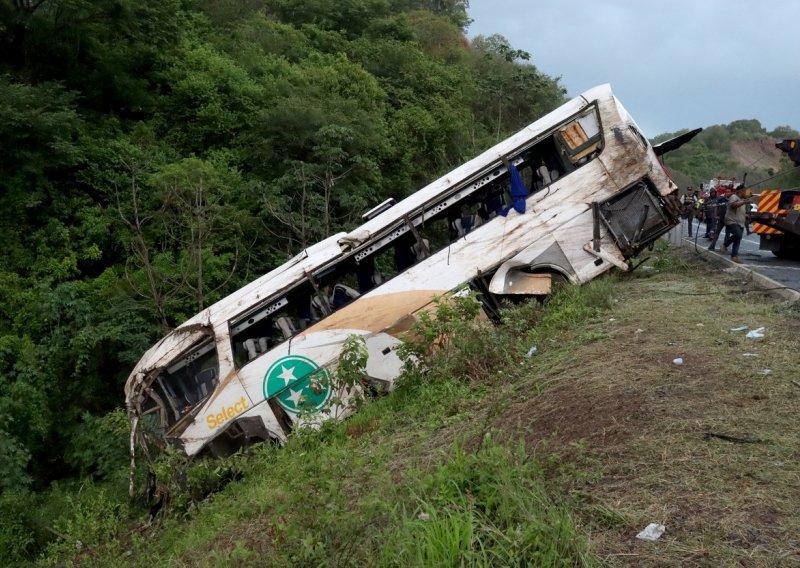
(258, 363)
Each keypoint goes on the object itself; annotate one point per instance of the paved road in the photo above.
(786, 272)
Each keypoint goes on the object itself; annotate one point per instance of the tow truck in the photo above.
(777, 222)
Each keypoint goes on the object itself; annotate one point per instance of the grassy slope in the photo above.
(558, 459)
(632, 425)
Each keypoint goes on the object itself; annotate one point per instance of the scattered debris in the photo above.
(756, 333)
(651, 532)
(531, 352)
(700, 325)
(740, 328)
(749, 354)
(734, 439)
(678, 361)
(765, 371)
(612, 319)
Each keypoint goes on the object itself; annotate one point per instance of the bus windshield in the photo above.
(173, 390)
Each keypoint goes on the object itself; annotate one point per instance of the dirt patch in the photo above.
(573, 412)
(760, 153)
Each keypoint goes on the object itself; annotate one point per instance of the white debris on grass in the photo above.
(756, 333)
(678, 361)
(653, 531)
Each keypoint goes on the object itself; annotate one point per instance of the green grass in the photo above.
(492, 458)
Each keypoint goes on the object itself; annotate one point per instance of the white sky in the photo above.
(673, 63)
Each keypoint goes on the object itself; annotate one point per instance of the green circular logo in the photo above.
(298, 384)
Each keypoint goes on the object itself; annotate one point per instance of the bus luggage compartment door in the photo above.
(636, 216)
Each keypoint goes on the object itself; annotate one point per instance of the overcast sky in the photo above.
(674, 64)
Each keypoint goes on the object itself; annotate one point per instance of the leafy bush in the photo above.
(82, 522)
(450, 319)
(17, 539)
(182, 482)
(450, 340)
(14, 460)
(99, 445)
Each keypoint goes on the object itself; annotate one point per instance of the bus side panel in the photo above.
(229, 401)
(299, 373)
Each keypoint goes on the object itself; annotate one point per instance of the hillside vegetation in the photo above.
(733, 150)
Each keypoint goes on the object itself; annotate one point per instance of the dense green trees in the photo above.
(159, 154)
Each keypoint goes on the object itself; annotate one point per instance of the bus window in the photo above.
(492, 201)
(274, 322)
(404, 253)
(368, 276)
(278, 320)
(185, 383)
(548, 159)
(581, 137)
(255, 333)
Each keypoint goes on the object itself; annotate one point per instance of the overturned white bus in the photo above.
(568, 198)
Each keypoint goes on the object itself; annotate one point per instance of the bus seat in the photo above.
(256, 346)
(492, 205)
(342, 295)
(319, 306)
(465, 224)
(544, 174)
(205, 380)
(287, 326)
(420, 252)
(369, 280)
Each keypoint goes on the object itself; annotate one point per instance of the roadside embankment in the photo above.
(644, 401)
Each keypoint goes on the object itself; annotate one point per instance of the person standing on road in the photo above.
(699, 209)
(708, 213)
(688, 207)
(720, 209)
(735, 221)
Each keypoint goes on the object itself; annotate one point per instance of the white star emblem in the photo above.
(295, 397)
(287, 374)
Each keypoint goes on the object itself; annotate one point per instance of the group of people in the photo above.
(721, 208)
